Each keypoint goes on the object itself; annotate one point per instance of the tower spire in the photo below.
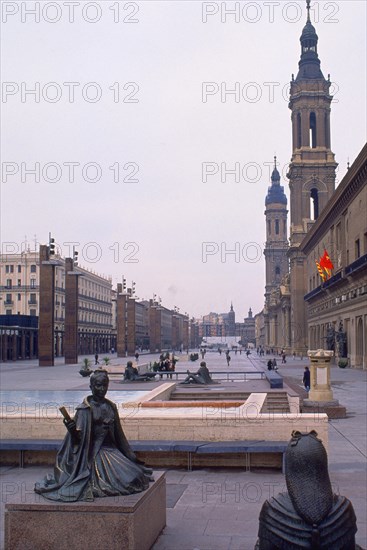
(308, 10)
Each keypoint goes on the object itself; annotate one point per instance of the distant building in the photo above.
(19, 295)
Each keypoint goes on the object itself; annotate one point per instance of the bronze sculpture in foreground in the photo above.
(309, 515)
(95, 459)
(201, 377)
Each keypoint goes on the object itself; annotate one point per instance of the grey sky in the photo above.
(168, 133)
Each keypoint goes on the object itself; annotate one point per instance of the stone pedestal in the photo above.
(320, 397)
(320, 376)
(130, 522)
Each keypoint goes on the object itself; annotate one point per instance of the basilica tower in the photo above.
(276, 260)
(276, 245)
(312, 167)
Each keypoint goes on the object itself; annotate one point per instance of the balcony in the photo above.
(32, 302)
(357, 265)
(313, 293)
(335, 279)
(8, 303)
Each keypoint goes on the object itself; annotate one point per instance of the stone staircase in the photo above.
(207, 395)
(276, 402)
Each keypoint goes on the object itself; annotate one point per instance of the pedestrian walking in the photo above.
(307, 379)
(96, 362)
(270, 364)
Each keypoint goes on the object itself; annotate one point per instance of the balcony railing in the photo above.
(355, 266)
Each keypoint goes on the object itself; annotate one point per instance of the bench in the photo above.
(275, 379)
(154, 446)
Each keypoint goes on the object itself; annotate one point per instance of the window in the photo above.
(19, 282)
(33, 283)
(8, 299)
(338, 236)
(8, 283)
(32, 312)
(9, 269)
(357, 249)
(33, 268)
(8, 312)
(32, 298)
(312, 130)
(327, 131)
(19, 269)
(19, 297)
(299, 131)
(314, 204)
(277, 227)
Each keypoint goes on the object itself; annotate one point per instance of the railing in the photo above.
(361, 262)
(332, 280)
(232, 376)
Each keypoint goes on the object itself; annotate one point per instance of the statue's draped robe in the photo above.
(101, 463)
(282, 528)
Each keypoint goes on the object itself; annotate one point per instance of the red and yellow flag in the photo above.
(326, 264)
(321, 272)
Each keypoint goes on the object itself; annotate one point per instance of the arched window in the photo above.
(269, 227)
(314, 204)
(299, 131)
(327, 131)
(312, 130)
(277, 270)
(277, 227)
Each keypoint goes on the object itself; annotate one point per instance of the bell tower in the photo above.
(312, 167)
(276, 246)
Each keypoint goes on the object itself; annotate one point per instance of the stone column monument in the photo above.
(320, 397)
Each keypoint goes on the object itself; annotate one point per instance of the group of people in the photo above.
(272, 364)
(167, 364)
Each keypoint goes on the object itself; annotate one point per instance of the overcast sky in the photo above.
(138, 122)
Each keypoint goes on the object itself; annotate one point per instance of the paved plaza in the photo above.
(216, 509)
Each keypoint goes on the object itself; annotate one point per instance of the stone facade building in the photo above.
(341, 301)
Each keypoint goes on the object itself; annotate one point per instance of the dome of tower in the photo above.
(275, 191)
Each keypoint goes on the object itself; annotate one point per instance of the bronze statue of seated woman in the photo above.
(95, 459)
